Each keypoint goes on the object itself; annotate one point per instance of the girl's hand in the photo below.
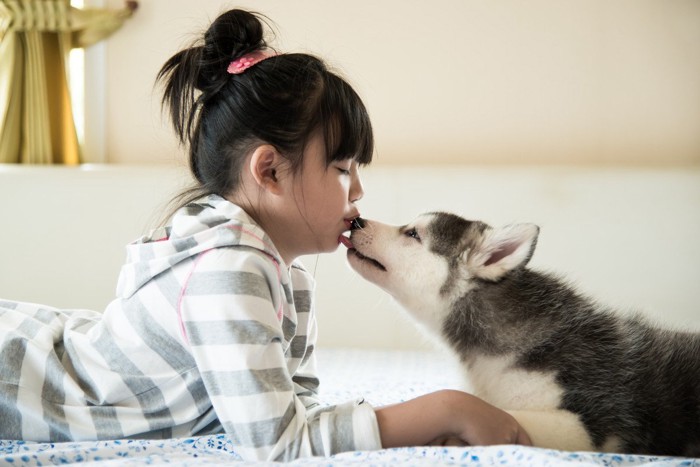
(448, 418)
(481, 423)
(449, 441)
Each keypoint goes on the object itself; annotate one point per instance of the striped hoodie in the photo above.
(210, 332)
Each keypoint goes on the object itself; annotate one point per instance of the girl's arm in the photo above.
(447, 415)
(239, 339)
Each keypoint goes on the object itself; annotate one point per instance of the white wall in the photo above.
(64, 229)
(628, 237)
(502, 81)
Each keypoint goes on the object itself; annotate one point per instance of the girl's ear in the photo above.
(265, 164)
(499, 251)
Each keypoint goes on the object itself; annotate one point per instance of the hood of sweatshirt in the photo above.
(212, 222)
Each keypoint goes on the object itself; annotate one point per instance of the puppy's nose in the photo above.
(357, 223)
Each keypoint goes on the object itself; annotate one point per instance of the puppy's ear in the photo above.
(501, 250)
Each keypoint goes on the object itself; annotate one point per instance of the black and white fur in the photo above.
(576, 375)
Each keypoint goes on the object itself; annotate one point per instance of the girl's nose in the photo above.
(357, 194)
(356, 190)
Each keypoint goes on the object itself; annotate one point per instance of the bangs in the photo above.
(346, 125)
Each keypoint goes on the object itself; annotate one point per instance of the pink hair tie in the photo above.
(241, 64)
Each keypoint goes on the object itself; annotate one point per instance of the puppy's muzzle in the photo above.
(357, 223)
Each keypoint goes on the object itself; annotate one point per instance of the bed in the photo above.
(381, 376)
(588, 216)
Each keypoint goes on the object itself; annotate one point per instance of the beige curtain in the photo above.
(36, 119)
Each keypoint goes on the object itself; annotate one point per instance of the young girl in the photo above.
(213, 328)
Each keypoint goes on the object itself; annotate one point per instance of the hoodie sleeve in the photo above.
(232, 312)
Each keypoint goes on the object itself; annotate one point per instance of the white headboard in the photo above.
(630, 237)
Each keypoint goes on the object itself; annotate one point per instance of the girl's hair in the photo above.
(279, 101)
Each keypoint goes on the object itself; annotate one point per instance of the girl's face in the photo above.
(322, 202)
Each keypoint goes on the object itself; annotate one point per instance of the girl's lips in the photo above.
(342, 239)
(349, 221)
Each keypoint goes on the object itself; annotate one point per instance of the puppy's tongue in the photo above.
(345, 241)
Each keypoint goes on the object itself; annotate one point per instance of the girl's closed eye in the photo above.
(343, 169)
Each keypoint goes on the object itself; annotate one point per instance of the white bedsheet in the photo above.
(382, 377)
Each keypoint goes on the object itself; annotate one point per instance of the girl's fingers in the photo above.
(523, 438)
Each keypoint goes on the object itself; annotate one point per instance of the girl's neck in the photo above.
(266, 222)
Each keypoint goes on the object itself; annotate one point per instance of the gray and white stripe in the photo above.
(210, 332)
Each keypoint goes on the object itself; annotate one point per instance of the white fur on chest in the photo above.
(533, 399)
(496, 380)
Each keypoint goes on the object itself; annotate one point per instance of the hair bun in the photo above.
(231, 35)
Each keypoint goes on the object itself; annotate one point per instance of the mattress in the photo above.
(381, 377)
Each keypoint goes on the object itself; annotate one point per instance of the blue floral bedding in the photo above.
(381, 377)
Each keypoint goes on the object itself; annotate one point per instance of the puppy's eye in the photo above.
(413, 234)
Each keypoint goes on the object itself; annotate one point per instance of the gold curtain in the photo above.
(36, 118)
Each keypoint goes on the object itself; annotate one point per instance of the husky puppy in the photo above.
(574, 374)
